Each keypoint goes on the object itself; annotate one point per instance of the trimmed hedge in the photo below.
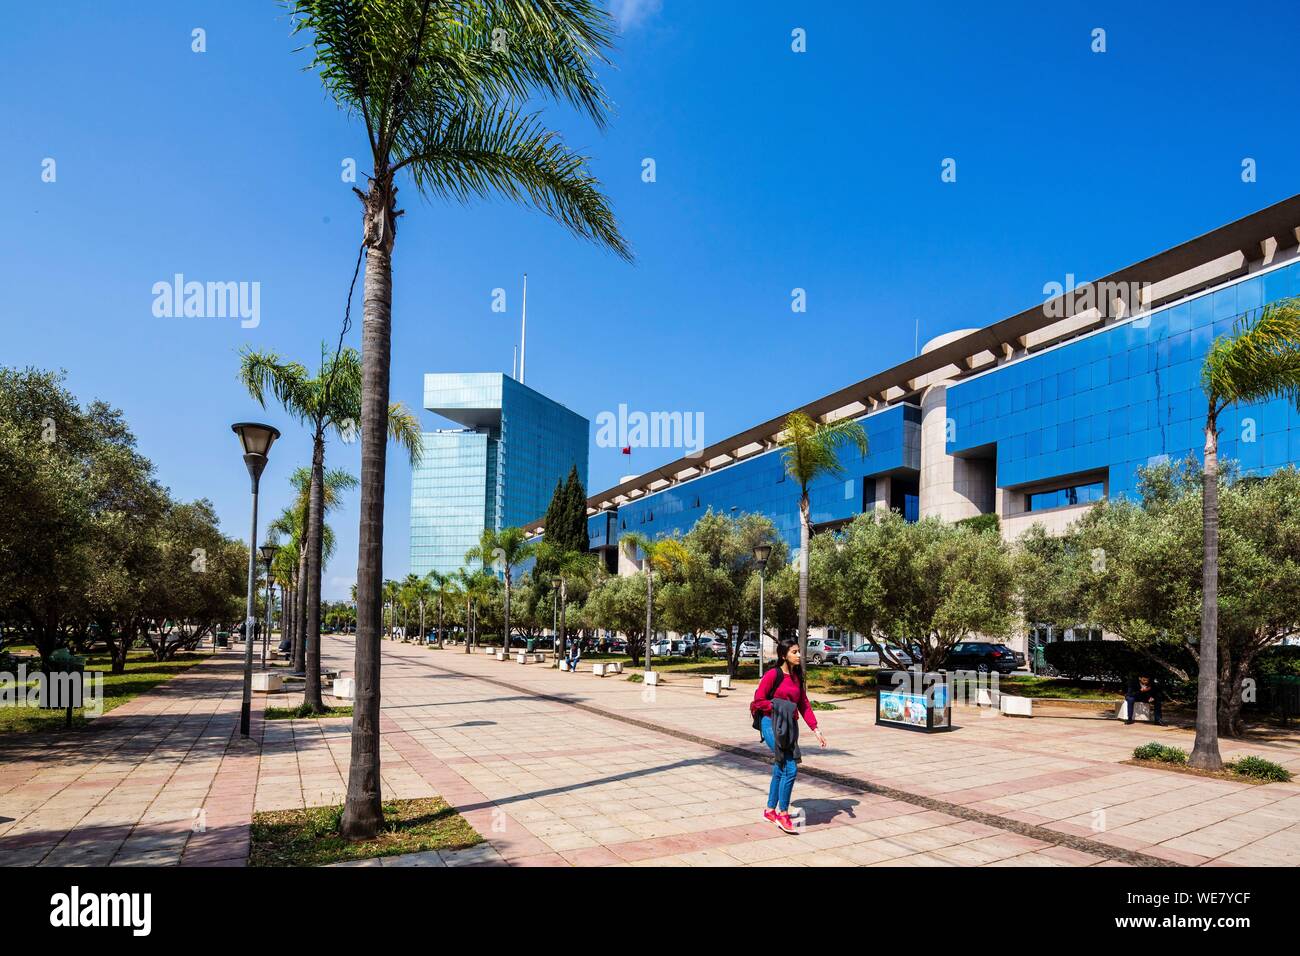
(1110, 661)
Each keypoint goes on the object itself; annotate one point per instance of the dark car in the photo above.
(983, 656)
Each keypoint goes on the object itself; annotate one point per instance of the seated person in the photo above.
(1143, 689)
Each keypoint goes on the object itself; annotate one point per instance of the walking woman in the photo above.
(778, 702)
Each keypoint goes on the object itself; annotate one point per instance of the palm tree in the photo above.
(503, 550)
(444, 590)
(440, 88)
(1258, 363)
(390, 592)
(564, 567)
(663, 553)
(811, 451)
(328, 402)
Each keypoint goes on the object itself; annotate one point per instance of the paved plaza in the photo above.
(558, 769)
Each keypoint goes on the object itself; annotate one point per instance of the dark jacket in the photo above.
(785, 730)
(1151, 694)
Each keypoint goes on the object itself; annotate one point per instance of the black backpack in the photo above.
(776, 685)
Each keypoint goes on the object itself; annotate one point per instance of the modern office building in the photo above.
(1033, 417)
(498, 470)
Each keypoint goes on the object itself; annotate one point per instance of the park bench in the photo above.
(713, 685)
(345, 688)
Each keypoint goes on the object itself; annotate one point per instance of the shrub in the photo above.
(1260, 769)
(1160, 753)
(636, 678)
(988, 522)
(1281, 661)
(824, 705)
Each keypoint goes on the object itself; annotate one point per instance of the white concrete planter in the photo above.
(713, 686)
(983, 698)
(615, 667)
(539, 657)
(522, 657)
(345, 688)
(500, 655)
(564, 665)
(1017, 706)
(599, 669)
(1141, 710)
(266, 683)
(724, 681)
(652, 678)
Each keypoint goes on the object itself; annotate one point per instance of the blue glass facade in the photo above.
(498, 471)
(1123, 397)
(759, 485)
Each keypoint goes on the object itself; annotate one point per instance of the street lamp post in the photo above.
(257, 440)
(761, 553)
(268, 555)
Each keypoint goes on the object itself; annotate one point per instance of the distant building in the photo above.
(497, 471)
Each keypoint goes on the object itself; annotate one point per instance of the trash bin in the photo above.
(911, 700)
(532, 642)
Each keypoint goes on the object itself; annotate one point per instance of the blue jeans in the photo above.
(778, 793)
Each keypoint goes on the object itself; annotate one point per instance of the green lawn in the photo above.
(856, 681)
(301, 713)
(310, 837)
(142, 674)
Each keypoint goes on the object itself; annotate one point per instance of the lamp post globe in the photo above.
(256, 440)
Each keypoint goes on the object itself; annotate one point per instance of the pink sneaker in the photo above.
(783, 821)
(769, 815)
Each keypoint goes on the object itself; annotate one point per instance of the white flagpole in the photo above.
(523, 332)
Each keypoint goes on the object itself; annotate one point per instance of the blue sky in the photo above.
(775, 170)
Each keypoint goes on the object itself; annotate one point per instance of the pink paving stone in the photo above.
(1069, 855)
(544, 859)
(1176, 856)
(591, 856)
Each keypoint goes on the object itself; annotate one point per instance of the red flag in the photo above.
(627, 449)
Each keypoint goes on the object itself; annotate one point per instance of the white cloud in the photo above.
(632, 13)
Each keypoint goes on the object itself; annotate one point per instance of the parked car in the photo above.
(864, 655)
(983, 656)
(711, 647)
(661, 648)
(821, 650)
(748, 649)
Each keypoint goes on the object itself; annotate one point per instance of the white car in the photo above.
(661, 648)
(864, 655)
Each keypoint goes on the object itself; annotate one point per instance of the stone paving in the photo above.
(561, 769)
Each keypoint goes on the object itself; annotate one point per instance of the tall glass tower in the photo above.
(498, 470)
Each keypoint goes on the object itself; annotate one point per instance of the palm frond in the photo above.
(481, 152)
(811, 449)
(1259, 362)
(404, 428)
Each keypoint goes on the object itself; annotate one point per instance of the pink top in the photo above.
(788, 689)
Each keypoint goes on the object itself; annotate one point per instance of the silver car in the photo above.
(864, 655)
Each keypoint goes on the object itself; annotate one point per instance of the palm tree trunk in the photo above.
(804, 532)
(564, 631)
(505, 637)
(467, 619)
(649, 610)
(440, 622)
(363, 809)
(1205, 750)
(315, 536)
(300, 610)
